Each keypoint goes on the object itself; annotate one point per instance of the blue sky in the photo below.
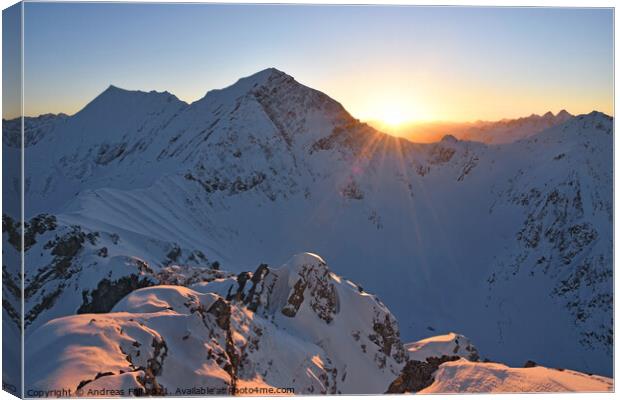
(428, 63)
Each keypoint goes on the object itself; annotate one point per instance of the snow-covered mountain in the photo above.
(489, 132)
(511, 130)
(299, 327)
(510, 244)
(37, 127)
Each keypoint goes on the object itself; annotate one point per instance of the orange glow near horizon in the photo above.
(389, 109)
(392, 115)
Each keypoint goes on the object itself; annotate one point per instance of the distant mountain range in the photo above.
(140, 202)
(490, 132)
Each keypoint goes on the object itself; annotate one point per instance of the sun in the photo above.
(393, 117)
(393, 114)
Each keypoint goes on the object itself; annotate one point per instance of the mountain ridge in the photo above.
(245, 85)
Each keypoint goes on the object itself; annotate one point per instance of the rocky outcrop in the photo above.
(417, 375)
(314, 283)
(184, 275)
(154, 368)
(387, 336)
(108, 293)
(36, 226)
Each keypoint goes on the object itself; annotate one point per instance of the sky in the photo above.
(387, 63)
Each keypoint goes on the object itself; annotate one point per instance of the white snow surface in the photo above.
(436, 346)
(345, 354)
(464, 376)
(170, 339)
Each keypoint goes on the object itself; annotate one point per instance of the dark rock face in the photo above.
(254, 294)
(230, 358)
(417, 375)
(238, 185)
(36, 226)
(295, 299)
(11, 228)
(65, 248)
(221, 310)
(69, 246)
(315, 283)
(387, 336)
(108, 293)
(530, 364)
(254, 289)
(10, 283)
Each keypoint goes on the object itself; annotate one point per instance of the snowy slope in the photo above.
(507, 244)
(464, 376)
(298, 326)
(436, 346)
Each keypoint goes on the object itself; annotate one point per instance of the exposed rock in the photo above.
(38, 225)
(108, 293)
(441, 154)
(221, 310)
(295, 299)
(416, 375)
(315, 279)
(154, 367)
(352, 191)
(11, 228)
(254, 294)
(387, 336)
(185, 275)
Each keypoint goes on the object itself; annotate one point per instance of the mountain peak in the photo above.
(594, 115)
(449, 139)
(111, 87)
(263, 77)
(548, 114)
(267, 73)
(113, 90)
(114, 100)
(563, 115)
(246, 84)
